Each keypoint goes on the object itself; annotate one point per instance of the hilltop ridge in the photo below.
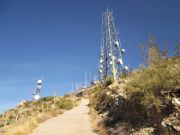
(147, 101)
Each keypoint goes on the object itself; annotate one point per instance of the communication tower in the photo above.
(111, 62)
(36, 93)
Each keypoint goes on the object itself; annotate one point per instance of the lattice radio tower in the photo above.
(111, 63)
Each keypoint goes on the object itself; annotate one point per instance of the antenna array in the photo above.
(111, 63)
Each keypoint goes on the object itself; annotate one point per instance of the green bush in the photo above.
(108, 81)
(153, 83)
(149, 91)
(45, 99)
(66, 104)
(102, 99)
(1, 125)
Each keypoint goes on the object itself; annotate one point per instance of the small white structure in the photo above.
(101, 54)
(116, 43)
(120, 61)
(101, 61)
(36, 93)
(126, 68)
(122, 50)
(100, 71)
(110, 63)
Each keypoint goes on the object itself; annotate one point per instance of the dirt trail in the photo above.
(73, 122)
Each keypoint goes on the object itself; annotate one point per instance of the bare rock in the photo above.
(172, 122)
(144, 131)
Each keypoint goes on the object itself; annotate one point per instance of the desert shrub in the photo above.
(50, 98)
(149, 91)
(66, 95)
(108, 81)
(153, 83)
(1, 125)
(64, 103)
(123, 75)
(80, 94)
(96, 98)
(22, 128)
(103, 99)
(41, 117)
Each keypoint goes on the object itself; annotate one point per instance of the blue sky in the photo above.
(60, 39)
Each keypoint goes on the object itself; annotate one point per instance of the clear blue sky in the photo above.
(60, 39)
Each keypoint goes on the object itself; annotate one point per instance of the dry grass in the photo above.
(95, 124)
(25, 126)
(23, 119)
(149, 90)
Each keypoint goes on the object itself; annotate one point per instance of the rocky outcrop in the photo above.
(172, 122)
(119, 86)
(144, 131)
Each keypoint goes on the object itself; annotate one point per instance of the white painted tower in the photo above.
(36, 93)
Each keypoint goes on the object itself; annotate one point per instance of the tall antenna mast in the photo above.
(36, 93)
(86, 81)
(111, 63)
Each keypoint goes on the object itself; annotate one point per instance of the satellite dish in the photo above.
(122, 50)
(116, 43)
(100, 70)
(101, 61)
(110, 63)
(101, 54)
(120, 61)
(126, 68)
(36, 97)
(39, 81)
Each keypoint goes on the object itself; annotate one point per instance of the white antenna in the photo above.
(54, 93)
(94, 77)
(86, 78)
(72, 86)
(90, 77)
(38, 87)
(76, 86)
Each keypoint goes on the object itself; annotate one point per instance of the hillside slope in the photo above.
(145, 102)
(27, 115)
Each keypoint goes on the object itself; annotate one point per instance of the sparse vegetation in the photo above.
(27, 116)
(148, 100)
(66, 104)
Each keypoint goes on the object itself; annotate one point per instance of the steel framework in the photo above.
(111, 63)
(36, 93)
